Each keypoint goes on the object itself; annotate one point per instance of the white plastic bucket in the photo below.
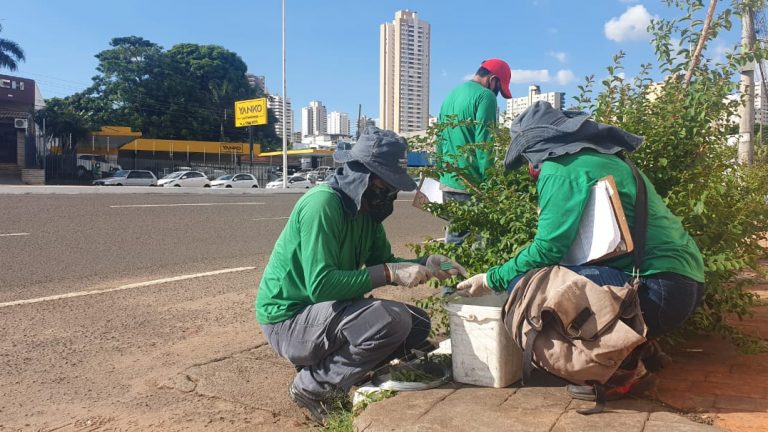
(482, 352)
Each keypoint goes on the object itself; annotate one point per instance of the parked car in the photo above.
(235, 181)
(319, 173)
(325, 180)
(185, 179)
(86, 163)
(129, 178)
(294, 182)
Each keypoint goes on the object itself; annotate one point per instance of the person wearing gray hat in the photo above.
(332, 251)
(567, 153)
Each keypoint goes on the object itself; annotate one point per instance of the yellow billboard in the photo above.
(251, 112)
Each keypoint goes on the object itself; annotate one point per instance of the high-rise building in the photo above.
(257, 81)
(338, 123)
(314, 119)
(404, 73)
(517, 105)
(275, 104)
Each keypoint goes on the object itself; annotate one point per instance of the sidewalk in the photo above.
(709, 387)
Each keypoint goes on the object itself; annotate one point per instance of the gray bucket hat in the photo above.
(542, 132)
(381, 151)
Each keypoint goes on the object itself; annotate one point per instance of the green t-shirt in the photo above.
(469, 101)
(319, 257)
(564, 186)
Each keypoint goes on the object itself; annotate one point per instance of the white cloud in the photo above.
(565, 76)
(468, 77)
(443, 73)
(527, 76)
(559, 55)
(631, 25)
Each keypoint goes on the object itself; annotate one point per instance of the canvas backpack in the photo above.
(574, 328)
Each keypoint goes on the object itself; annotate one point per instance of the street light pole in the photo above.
(285, 119)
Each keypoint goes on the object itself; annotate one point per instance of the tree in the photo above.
(10, 53)
(187, 92)
(63, 122)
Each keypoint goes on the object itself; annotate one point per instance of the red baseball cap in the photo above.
(500, 68)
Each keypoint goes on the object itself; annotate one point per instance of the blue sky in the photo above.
(333, 45)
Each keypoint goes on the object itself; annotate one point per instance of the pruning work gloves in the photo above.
(409, 274)
(475, 286)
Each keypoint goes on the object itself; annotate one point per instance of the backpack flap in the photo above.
(583, 308)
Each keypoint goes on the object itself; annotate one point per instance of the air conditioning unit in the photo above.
(20, 123)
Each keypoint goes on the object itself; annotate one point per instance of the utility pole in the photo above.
(747, 87)
(285, 118)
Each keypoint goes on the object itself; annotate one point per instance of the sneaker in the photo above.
(644, 384)
(320, 409)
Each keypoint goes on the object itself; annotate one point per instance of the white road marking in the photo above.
(274, 218)
(13, 234)
(184, 205)
(124, 287)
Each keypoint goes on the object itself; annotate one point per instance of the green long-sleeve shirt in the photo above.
(468, 101)
(564, 186)
(319, 257)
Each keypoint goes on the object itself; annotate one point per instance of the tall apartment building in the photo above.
(517, 105)
(257, 81)
(338, 123)
(314, 119)
(275, 104)
(404, 73)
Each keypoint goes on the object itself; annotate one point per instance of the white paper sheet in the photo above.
(599, 232)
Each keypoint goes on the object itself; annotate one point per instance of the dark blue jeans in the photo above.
(666, 299)
(456, 237)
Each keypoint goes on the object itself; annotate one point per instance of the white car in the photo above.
(87, 162)
(235, 181)
(184, 179)
(129, 178)
(294, 182)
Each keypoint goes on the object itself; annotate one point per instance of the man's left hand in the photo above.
(443, 267)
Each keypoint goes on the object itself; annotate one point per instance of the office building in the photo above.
(314, 119)
(338, 123)
(404, 73)
(275, 104)
(517, 105)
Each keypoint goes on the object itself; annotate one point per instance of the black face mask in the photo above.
(381, 202)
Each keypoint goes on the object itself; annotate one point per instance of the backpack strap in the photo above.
(640, 223)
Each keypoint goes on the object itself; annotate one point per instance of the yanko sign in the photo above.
(15, 89)
(251, 112)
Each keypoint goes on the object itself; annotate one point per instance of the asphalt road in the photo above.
(135, 311)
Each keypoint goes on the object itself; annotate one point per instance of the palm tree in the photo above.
(10, 53)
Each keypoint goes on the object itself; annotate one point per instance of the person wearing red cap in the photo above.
(473, 105)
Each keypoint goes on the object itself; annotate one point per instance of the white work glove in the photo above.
(443, 267)
(408, 274)
(475, 286)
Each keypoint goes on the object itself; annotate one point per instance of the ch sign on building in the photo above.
(251, 112)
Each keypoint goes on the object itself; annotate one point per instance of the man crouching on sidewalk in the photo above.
(332, 251)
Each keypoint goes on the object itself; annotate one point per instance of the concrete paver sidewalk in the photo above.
(710, 376)
(709, 381)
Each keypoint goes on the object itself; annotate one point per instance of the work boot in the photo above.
(320, 409)
(623, 383)
(654, 358)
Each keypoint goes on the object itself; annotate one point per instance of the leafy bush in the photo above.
(686, 155)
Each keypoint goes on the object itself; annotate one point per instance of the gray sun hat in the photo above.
(382, 152)
(542, 132)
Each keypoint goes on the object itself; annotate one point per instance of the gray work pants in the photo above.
(337, 342)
